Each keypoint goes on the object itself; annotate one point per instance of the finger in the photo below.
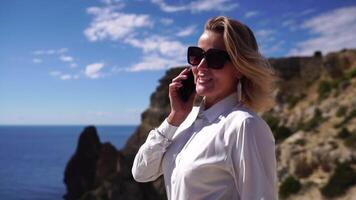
(175, 85)
(184, 71)
(182, 75)
(179, 78)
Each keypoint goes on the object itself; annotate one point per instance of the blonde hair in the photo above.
(258, 77)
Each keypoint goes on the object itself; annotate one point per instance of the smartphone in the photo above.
(188, 87)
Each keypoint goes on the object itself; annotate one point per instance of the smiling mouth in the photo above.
(203, 80)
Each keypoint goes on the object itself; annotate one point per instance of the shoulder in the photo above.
(243, 120)
(240, 115)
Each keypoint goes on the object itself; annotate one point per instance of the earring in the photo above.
(239, 90)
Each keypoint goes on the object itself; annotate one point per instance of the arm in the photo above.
(254, 161)
(147, 164)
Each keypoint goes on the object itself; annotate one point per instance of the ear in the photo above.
(238, 74)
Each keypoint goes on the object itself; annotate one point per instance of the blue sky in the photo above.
(98, 61)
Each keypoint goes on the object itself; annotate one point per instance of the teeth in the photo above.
(203, 80)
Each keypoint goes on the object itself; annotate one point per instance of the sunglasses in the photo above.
(215, 58)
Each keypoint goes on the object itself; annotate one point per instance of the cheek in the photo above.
(226, 79)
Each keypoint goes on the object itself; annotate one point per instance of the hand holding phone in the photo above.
(188, 87)
(181, 91)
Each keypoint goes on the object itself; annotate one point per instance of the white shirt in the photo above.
(224, 152)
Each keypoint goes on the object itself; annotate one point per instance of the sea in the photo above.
(33, 158)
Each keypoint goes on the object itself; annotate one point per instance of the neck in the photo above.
(210, 101)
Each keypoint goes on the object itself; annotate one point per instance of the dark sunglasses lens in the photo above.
(216, 59)
(195, 55)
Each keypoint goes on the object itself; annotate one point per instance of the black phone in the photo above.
(188, 87)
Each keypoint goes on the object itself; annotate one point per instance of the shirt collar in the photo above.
(218, 108)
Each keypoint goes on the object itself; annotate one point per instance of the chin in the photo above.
(202, 91)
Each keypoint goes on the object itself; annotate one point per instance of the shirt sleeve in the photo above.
(147, 164)
(254, 161)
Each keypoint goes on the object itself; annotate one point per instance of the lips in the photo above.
(202, 79)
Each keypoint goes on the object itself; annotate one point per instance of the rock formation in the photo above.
(79, 175)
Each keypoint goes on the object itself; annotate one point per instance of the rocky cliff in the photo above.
(313, 123)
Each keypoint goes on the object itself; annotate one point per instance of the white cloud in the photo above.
(62, 76)
(251, 14)
(61, 56)
(333, 30)
(66, 77)
(264, 33)
(291, 24)
(159, 53)
(106, 1)
(37, 60)
(166, 21)
(110, 2)
(93, 70)
(288, 22)
(159, 44)
(293, 20)
(65, 58)
(307, 12)
(197, 6)
(167, 8)
(62, 50)
(186, 31)
(108, 24)
(44, 52)
(298, 14)
(272, 48)
(155, 62)
(210, 5)
(267, 41)
(69, 60)
(50, 51)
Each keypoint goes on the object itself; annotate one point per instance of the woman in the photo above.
(221, 149)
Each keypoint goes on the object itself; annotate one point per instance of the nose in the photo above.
(202, 65)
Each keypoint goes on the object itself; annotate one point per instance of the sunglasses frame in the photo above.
(210, 56)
